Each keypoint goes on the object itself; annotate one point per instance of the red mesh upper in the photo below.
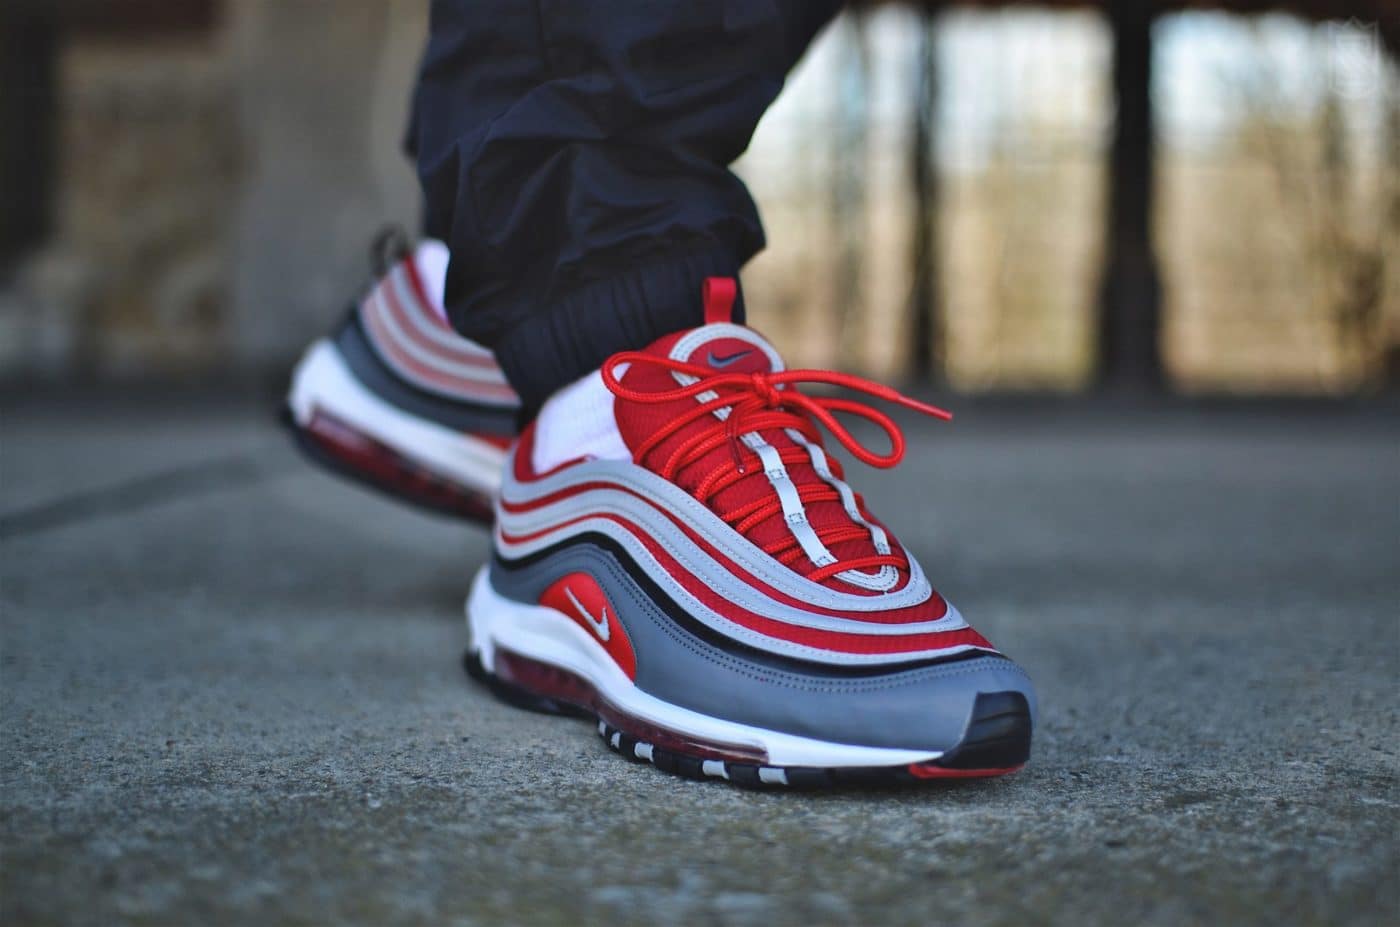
(639, 421)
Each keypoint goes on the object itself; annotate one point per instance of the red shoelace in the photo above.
(760, 402)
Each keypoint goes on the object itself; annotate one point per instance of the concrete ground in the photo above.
(230, 692)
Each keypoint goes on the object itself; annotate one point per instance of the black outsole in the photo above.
(478, 510)
(997, 740)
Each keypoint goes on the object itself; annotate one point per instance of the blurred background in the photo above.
(230, 686)
(1199, 196)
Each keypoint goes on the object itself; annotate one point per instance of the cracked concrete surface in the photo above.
(230, 692)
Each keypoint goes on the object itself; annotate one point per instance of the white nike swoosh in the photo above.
(599, 625)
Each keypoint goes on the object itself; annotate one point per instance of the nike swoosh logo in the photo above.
(599, 625)
(728, 359)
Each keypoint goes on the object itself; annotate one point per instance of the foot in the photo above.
(396, 399)
(677, 557)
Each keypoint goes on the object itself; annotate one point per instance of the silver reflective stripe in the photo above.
(448, 340)
(633, 482)
(886, 577)
(794, 512)
(699, 565)
(652, 632)
(445, 365)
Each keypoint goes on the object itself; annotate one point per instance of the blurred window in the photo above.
(1278, 192)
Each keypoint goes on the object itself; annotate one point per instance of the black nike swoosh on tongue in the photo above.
(727, 359)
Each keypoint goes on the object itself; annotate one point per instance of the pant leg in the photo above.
(575, 156)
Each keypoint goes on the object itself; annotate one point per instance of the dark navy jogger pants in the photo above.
(574, 155)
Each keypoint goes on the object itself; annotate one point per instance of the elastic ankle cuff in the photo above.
(575, 335)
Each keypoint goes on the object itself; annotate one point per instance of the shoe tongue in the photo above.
(724, 348)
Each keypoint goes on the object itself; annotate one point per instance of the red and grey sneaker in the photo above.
(396, 399)
(700, 579)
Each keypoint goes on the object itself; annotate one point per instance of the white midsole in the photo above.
(548, 635)
(322, 381)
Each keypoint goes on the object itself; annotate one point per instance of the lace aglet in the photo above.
(927, 409)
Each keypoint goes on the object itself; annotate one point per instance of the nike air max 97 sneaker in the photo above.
(396, 399)
(701, 581)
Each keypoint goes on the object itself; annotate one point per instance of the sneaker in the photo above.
(678, 557)
(396, 399)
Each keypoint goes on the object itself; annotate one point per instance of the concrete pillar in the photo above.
(28, 88)
(1129, 349)
(925, 316)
